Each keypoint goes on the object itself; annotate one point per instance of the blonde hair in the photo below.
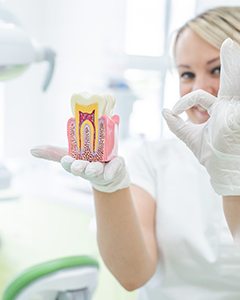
(215, 25)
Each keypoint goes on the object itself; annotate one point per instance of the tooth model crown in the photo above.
(92, 134)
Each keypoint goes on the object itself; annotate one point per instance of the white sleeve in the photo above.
(140, 167)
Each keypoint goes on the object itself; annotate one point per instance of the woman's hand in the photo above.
(216, 143)
(104, 177)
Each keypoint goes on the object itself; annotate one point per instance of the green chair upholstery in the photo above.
(67, 278)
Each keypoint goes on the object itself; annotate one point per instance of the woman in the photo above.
(166, 232)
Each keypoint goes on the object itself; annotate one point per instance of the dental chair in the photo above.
(68, 278)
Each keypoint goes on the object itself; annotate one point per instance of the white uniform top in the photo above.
(198, 260)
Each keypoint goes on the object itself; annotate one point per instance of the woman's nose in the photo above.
(204, 84)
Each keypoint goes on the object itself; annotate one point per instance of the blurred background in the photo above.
(122, 47)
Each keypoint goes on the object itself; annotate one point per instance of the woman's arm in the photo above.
(125, 217)
(231, 206)
(126, 234)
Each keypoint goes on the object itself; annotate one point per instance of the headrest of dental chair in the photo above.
(55, 279)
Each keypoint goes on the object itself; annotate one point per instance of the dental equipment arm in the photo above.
(18, 51)
(216, 143)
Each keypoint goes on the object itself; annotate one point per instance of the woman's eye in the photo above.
(187, 75)
(216, 71)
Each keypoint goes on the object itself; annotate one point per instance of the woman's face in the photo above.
(198, 65)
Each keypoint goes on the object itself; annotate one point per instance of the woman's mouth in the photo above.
(198, 114)
(200, 109)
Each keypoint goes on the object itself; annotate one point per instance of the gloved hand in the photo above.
(105, 177)
(216, 143)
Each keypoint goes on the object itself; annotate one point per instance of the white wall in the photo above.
(87, 35)
(2, 118)
(206, 4)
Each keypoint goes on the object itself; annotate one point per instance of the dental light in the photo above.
(18, 51)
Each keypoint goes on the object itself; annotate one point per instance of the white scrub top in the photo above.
(198, 260)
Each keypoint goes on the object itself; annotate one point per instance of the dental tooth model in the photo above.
(93, 132)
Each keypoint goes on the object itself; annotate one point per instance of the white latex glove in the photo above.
(216, 143)
(105, 177)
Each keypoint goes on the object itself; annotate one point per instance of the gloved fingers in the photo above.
(82, 168)
(174, 122)
(66, 162)
(178, 126)
(49, 152)
(78, 167)
(198, 97)
(94, 169)
(113, 167)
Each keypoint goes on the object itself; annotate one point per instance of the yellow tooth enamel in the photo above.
(88, 99)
